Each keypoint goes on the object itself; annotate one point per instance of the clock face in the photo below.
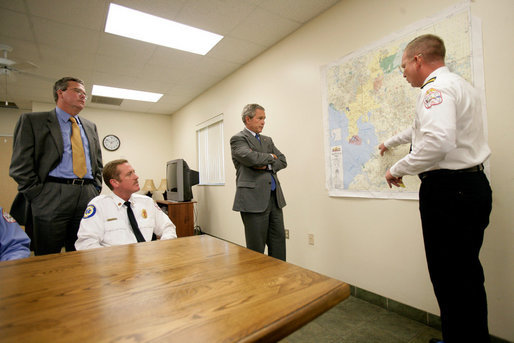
(111, 142)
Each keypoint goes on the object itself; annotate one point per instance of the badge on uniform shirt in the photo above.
(90, 211)
(144, 214)
(8, 218)
(432, 97)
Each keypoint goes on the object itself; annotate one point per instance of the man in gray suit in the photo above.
(53, 183)
(259, 196)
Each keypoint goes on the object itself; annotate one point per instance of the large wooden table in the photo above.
(192, 289)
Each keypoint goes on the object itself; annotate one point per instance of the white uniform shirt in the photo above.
(105, 222)
(448, 131)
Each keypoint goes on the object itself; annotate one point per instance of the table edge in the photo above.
(287, 325)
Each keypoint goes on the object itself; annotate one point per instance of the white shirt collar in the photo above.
(253, 133)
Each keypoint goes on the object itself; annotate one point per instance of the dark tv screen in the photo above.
(179, 180)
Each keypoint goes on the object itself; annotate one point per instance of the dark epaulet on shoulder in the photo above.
(429, 81)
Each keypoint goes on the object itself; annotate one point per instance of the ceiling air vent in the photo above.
(7, 104)
(105, 100)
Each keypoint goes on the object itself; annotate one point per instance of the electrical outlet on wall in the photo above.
(311, 239)
(287, 233)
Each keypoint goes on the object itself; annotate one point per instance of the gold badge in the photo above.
(144, 214)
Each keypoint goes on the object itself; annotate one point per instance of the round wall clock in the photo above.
(111, 142)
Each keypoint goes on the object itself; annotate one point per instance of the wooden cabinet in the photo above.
(181, 214)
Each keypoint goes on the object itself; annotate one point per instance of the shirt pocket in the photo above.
(117, 232)
(146, 223)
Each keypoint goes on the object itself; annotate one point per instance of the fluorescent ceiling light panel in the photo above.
(134, 24)
(129, 94)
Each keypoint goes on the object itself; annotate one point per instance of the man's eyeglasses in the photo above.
(402, 69)
(78, 91)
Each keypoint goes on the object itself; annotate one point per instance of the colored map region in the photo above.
(366, 100)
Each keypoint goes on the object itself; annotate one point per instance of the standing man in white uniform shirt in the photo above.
(448, 151)
(107, 220)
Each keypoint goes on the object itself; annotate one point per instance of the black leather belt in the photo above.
(440, 172)
(78, 182)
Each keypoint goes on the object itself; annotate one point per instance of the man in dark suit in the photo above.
(259, 196)
(57, 163)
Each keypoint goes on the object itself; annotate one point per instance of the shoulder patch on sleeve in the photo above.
(8, 218)
(90, 211)
(432, 97)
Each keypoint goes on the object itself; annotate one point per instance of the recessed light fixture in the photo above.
(138, 25)
(129, 94)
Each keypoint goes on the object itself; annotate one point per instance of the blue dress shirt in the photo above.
(65, 168)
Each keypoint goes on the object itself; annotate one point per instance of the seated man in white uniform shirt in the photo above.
(106, 220)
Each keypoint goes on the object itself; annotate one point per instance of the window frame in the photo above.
(211, 152)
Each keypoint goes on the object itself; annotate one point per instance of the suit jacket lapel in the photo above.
(91, 135)
(264, 143)
(55, 131)
(252, 141)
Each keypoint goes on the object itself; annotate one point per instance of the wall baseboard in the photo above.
(407, 311)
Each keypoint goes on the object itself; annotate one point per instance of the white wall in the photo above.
(373, 244)
(8, 119)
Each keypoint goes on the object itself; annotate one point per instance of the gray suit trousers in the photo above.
(56, 214)
(266, 228)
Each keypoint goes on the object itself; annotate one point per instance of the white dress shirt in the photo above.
(106, 223)
(448, 131)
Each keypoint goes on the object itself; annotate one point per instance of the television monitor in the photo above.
(180, 180)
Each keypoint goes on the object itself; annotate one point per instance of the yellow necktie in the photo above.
(79, 158)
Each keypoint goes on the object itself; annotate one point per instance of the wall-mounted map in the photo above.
(366, 100)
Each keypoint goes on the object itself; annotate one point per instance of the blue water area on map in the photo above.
(362, 148)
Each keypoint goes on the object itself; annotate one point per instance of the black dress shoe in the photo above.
(435, 340)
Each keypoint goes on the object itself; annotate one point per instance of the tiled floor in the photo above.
(357, 321)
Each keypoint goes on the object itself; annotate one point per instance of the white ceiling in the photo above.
(67, 38)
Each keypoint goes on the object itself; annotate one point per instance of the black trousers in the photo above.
(266, 228)
(455, 211)
(56, 215)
